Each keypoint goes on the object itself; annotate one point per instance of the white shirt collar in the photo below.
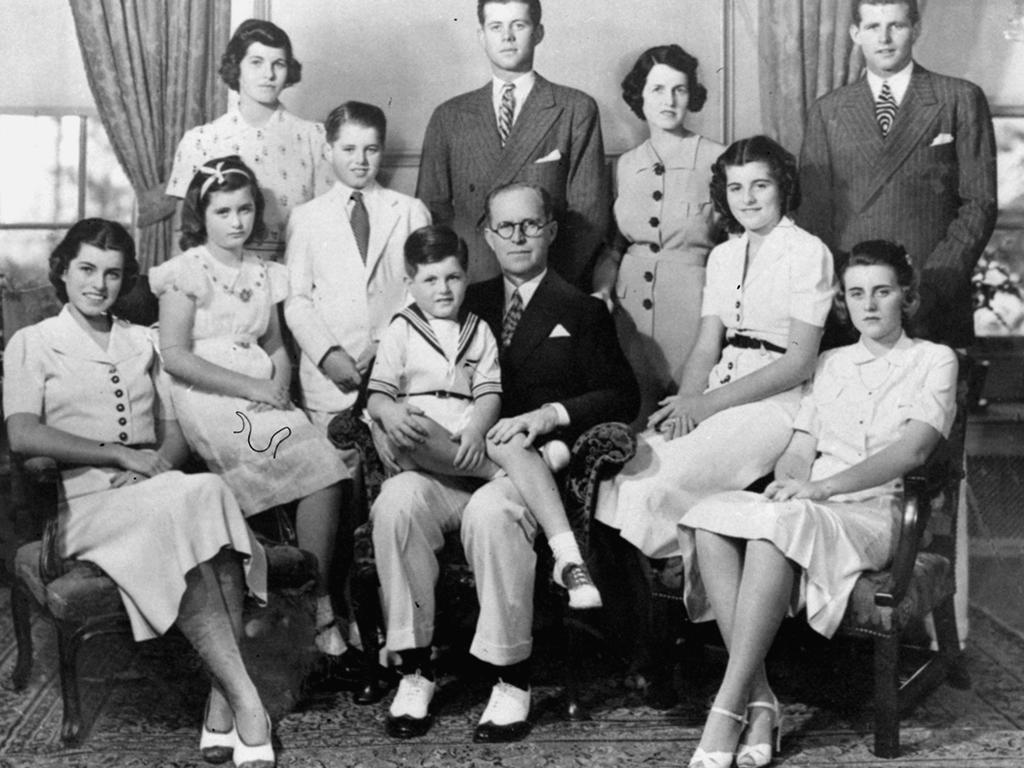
(526, 290)
(524, 84)
(898, 83)
(345, 191)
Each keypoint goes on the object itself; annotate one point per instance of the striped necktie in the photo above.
(506, 111)
(515, 311)
(360, 221)
(885, 108)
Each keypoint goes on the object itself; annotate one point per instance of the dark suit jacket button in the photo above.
(654, 221)
(648, 303)
(472, 187)
(649, 276)
(655, 247)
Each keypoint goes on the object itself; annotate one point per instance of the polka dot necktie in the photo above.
(515, 311)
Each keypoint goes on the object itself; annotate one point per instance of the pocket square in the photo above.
(942, 138)
(551, 157)
(559, 332)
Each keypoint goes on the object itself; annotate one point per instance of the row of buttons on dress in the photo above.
(120, 407)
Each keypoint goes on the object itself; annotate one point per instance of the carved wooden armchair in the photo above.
(921, 580)
(597, 454)
(75, 595)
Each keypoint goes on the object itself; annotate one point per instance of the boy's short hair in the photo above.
(431, 244)
(368, 115)
(532, 5)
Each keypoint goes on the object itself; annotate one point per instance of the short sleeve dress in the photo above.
(266, 457)
(664, 211)
(286, 154)
(858, 405)
(145, 536)
(792, 277)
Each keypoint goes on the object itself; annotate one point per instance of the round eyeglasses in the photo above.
(506, 230)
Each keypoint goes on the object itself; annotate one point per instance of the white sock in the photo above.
(565, 549)
(328, 638)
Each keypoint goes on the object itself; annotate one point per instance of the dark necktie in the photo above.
(360, 221)
(506, 111)
(885, 108)
(515, 311)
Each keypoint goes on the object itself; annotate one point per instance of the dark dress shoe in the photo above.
(406, 727)
(489, 733)
(346, 672)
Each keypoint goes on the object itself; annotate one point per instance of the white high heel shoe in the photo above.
(255, 755)
(704, 759)
(216, 746)
(760, 755)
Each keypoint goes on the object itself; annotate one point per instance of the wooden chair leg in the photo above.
(948, 639)
(68, 644)
(363, 588)
(21, 613)
(887, 711)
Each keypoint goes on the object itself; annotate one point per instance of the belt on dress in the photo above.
(444, 394)
(749, 342)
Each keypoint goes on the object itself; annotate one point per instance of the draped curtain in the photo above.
(806, 51)
(152, 68)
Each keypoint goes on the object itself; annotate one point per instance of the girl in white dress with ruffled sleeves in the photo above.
(875, 410)
(221, 342)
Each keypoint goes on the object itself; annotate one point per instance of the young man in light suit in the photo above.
(562, 373)
(927, 182)
(536, 132)
(918, 169)
(346, 265)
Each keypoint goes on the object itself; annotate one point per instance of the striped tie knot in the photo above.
(885, 108)
(506, 111)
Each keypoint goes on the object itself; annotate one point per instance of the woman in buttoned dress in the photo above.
(767, 295)
(667, 224)
(83, 388)
(285, 151)
(220, 340)
(875, 410)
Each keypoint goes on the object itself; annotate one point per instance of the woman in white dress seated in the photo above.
(875, 410)
(83, 388)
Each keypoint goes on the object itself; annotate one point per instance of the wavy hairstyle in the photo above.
(532, 6)
(883, 253)
(223, 175)
(99, 233)
(257, 31)
(781, 165)
(671, 56)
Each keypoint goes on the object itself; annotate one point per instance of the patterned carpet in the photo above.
(148, 714)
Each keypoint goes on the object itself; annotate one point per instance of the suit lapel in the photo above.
(539, 318)
(913, 120)
(538, 115)
(483, 128)
(383, 219)
(860, 121)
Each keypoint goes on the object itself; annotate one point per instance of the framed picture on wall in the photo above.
(1008, 123)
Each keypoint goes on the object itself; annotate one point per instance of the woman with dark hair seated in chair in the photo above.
(875, 411)
(83, 388)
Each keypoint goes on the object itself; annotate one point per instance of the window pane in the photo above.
(39, 155)
(25, 255)
(107, 193)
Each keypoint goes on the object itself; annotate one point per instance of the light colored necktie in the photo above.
(515, 311)
(360, 221)
(506, 111)
(885, 108)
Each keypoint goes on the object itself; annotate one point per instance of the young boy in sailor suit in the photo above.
(435, 391)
